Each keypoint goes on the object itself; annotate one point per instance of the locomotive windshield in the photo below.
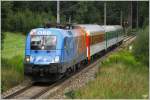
(43, 42)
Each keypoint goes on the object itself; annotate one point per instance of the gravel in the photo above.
(76, 83)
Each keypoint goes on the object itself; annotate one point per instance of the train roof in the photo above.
(99, 28)
(109, 28)
(91, 27)
(118, 27)
(49, 31)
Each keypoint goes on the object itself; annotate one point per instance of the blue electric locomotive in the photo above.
(50, 52)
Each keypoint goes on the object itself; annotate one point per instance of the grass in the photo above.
(12, 60)
(119, 76)
(13, 42)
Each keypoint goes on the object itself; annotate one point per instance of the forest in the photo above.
(21, 16)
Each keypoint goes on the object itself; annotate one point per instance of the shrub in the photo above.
(124, 57)
(141, 46)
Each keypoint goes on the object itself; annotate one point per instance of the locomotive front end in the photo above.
(43, 55)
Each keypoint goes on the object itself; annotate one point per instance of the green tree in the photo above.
(25, 15)
(5, 11)
(143, 13)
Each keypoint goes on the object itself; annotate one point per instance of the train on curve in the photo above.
(52, 52)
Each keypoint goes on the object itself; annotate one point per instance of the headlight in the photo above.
(52, 61)
(56, 59)
(27, 58)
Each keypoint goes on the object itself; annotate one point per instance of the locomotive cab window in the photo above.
(43, 42)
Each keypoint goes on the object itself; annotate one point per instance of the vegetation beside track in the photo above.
(124, 74)
(141, 46)
(12, 60)
(119, 76)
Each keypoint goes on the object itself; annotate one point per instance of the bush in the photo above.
(124, 57)
(141, 46)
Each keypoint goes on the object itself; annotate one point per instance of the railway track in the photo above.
(128, 38)
(34, 91)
